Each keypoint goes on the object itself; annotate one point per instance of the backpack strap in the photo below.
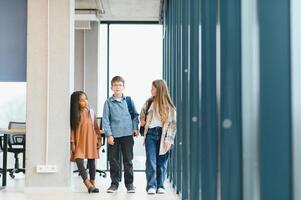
(130, 106)
(148, 104)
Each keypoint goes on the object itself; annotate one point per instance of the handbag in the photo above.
(141, 130)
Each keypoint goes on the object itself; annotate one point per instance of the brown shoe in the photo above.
(92, 182)
(96, 190)
(90, 187)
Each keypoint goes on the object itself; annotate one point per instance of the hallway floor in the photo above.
(15, 190)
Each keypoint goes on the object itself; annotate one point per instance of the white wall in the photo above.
(13, 40)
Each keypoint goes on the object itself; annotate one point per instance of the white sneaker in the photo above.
(151, 191)
(161, 191)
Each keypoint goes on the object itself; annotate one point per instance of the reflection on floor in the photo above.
(15, 190)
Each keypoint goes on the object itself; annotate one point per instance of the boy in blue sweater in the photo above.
(120, 123)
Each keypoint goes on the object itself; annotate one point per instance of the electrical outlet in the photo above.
(46, 168)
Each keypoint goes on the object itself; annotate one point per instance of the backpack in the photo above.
(130, 107)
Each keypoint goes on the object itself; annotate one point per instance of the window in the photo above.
(136, 55)
(12, 102)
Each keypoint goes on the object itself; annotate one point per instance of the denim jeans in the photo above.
(156, 165)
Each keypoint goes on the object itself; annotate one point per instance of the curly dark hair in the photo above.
(75, 109)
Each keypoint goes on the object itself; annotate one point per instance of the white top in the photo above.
(156, 121)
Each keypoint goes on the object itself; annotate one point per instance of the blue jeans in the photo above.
(156, 165)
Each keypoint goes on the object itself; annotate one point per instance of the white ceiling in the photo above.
(123, 10)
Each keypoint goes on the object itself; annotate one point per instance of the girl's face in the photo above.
(83, 101)
(153, 91)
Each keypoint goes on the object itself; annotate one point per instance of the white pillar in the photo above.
(87, 62)
(92, 66)
(50, 60)
(79, 48)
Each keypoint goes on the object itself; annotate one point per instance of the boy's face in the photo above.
(117, 87)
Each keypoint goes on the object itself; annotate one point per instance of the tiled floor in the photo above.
(15, 191)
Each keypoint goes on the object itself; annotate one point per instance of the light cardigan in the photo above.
(168, 128)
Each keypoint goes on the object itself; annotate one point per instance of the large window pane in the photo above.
(12, 102)
(136, 55)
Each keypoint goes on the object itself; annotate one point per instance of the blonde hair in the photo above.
(162, 100)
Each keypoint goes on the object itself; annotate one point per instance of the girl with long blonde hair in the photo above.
(158, 117)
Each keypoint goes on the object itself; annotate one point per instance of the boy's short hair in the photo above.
(117, 79)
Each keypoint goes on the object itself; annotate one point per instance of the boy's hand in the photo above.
(111, 140)
(135, 133)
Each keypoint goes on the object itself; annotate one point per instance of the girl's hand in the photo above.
(73, 147)
(99, 142)
(142, 122)
(111, 140)
(167, 146)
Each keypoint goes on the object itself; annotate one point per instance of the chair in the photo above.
(99, 122)
(9, 148)
(16, 145)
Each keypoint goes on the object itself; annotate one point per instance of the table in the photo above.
(5, 133)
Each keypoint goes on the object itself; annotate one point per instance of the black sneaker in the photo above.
(112, 189)
(131, 189)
